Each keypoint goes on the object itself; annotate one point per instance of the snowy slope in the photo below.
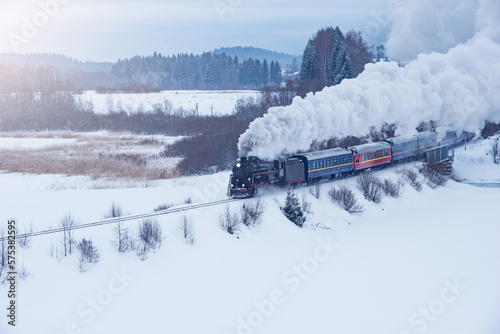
(425, 262)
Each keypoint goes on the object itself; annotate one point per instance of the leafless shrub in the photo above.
(24, 240)
(371, 187)
(252, 212)
(344, 197)
(114, 211)
(391, 188)
(187, 229)
(55, 252)
(410, 176)
(164, 206)
(229, 221)
(432, 178)
(495, 150)
(149, 235)
(88, 254)
(315, 190)
(188, 200)
(306, 205)
(454, 177)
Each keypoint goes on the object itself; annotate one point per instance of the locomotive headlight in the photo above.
(238, 165)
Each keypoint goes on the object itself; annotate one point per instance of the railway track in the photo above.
(121, 219)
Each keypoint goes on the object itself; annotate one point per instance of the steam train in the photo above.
(250, 173)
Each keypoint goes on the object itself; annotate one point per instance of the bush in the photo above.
(344, 197)
(410, 176)
(88, 254)
(315, 190)
(149, 234)
(252, 212)
(432, 178)
(371, 187)
(391, 188)
(292, 209)
(229, 221)
(162, 207)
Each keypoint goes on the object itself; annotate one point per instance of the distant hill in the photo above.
(59, 61)
(257, 53)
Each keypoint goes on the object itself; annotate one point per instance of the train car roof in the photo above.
(400, 139)
(426, 134)
(323, 154)
(369, 147)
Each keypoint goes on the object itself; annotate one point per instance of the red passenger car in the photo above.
(371, 155)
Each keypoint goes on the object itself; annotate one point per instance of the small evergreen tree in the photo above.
(292, 209)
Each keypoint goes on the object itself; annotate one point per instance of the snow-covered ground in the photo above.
(427, 262)
(220, 102)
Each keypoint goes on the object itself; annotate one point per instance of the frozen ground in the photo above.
(426, 262)
(209, 102)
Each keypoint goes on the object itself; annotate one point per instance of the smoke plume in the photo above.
(459, 89)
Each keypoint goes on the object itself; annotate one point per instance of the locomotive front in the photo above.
(245, 172)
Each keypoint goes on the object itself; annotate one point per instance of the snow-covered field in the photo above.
(219, 102)
(427, 262)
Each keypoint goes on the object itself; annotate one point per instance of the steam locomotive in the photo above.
(250, 173)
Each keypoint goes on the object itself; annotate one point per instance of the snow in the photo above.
(216, 102)
(424, 262)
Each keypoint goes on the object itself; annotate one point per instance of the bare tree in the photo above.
(187, 229)
(121, 233)
(323, 43)
(67, 238)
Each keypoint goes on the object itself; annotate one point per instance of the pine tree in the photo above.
(292, 209)
(309, 68)
(265, 72)
(340, 65)
(275, 73)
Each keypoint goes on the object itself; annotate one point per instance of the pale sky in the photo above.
(106, 30)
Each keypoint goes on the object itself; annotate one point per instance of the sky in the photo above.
(107, 30)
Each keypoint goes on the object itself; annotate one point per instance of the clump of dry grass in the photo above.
(92, 155)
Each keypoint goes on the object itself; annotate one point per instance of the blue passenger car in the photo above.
(330, 163)
(403, 148)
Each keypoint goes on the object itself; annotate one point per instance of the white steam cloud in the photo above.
(459, 89)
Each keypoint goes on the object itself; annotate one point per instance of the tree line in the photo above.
(206, 71)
